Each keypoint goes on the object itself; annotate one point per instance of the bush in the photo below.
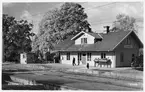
(138, 62)
(49, 56)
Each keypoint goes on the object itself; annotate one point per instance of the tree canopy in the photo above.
(16, 37)
(59, 23)
(124, 23)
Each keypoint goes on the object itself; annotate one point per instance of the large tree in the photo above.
(59, 23)
(124, 23)
(16, 37)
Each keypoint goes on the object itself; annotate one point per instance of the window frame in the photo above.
(84, 41)
(89, 56)
(81, 40)
(128, 41)
(103, 55)
(61, 57)
(68, 56)
(24, 55)
(79, 56)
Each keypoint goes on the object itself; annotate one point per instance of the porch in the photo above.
(88, 57)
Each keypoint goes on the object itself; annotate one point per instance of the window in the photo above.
(83, 40)
(62, 58)
(68, 56)
(128, 41)
(133, 57)
(24, 55)
(79, 56)
(103, 55)
(88, 56)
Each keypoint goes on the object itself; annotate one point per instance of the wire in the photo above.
(101, 5)
(100, 21)
(139, 19)
(85, 9)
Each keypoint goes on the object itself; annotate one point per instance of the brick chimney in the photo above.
(107, 29)
(88, 30)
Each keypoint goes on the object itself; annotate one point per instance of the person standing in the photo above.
(74, 61)
(87, 66)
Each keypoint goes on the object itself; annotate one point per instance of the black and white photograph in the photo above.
(72, 45)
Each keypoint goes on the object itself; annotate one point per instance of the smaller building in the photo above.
(26, 58)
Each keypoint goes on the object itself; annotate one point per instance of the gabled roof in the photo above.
(110, 41)
(96, 35)
(82, 32)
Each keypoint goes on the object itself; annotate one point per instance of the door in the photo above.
(79, 58)
(122, 58)
(83, 58)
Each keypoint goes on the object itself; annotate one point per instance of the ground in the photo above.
(56, 74)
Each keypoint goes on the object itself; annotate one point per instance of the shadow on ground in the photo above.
(139, 69)
(16, 70)
(23, 87)
(55, 84)
(100, 70)
(6, 77)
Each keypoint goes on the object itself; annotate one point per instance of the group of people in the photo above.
(73, 63)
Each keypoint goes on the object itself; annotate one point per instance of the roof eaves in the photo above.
(121, 41)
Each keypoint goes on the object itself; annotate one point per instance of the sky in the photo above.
(99, 13)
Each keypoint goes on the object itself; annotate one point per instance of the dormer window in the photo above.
(87, 38)
(83, 40)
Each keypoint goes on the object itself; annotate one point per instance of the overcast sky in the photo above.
(99, 13)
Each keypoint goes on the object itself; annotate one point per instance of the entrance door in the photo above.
(122, 58)
(84, 58)
(79, 58)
